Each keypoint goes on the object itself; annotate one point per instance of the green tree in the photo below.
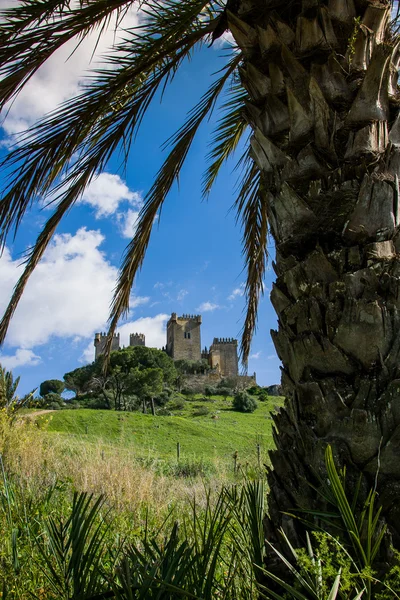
(79, 380)
(316, 85)
(243, 402)
(51, 386)
(146, 384)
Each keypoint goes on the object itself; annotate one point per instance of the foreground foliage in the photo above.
(56, 543)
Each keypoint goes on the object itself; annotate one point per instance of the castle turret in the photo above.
(183, 337)
(137, 339)
(224, 356)
(100, 342)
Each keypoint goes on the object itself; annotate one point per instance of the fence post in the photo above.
(235, 457)
(259, 455)
(178, 450)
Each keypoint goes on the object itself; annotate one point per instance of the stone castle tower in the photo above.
(184, 343)
(223, 356)
(183, 337)
(100, 342)
(135, 339)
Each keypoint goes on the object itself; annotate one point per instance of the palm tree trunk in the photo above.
(322, 77)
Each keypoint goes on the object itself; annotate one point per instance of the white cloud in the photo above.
(136, 301)
(21, 358)
(256, 355)
(154, 328)
(128, 223)
(207, 307)
(237, 292)
(106, 192)
(181, 295)
(68, 294)
(271, 356)
(62, 75)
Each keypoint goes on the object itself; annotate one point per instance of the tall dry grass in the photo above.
(41, 459)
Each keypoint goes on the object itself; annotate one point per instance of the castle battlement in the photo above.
(174, 317)
(137, 339)
(103, 334)
(225, 341)
(184, 343)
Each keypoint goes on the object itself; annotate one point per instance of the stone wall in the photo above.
(200, 381)
(223, 355)
(183, 337)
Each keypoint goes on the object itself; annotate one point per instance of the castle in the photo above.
(184, 343)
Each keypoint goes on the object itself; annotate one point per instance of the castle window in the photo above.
(187, 335)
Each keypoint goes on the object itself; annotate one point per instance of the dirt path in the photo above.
(37, 413)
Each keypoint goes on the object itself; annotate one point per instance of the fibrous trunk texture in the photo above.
(322, 77)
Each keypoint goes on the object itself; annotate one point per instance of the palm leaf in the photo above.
(92, 126)
(167, 175)
(229, 131)
(251, 207)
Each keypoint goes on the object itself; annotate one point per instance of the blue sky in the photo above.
(194, 262)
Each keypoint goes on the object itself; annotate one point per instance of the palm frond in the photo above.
(32, 31)
(109, 110)
(251, 207)
(227, 135)
(93, 125)
(167, 175)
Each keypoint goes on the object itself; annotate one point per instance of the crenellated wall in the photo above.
(137, 339)
(223, 355)
(100, 342)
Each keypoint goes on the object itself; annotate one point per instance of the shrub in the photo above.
(191, 469)
(243, 402)
(210, 390)
(162, 399)
(224, 391)
(188, 391)
(254, 390)
(176, 404)
(201, 411)
(164, 412)
(52, 399)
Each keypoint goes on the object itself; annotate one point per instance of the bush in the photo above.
(164, 412)
(162, 399)
(243, 402)
(201, 411)
(188, 391)
(53, 406)
(176, 404)
(51, 399)
(210, 390)
(224, 391)
(191, 469)
(254, 390)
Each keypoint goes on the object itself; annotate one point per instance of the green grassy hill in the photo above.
(214, 436)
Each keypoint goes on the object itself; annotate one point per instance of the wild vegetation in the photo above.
(316, 84)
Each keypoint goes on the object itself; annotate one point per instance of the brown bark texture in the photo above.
(322, 78)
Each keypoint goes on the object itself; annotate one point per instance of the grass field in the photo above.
(214, 436)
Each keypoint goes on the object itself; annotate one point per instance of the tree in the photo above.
(147, 383)
(316, 82)
(243, 402)
(51, 386)
(79, 380)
